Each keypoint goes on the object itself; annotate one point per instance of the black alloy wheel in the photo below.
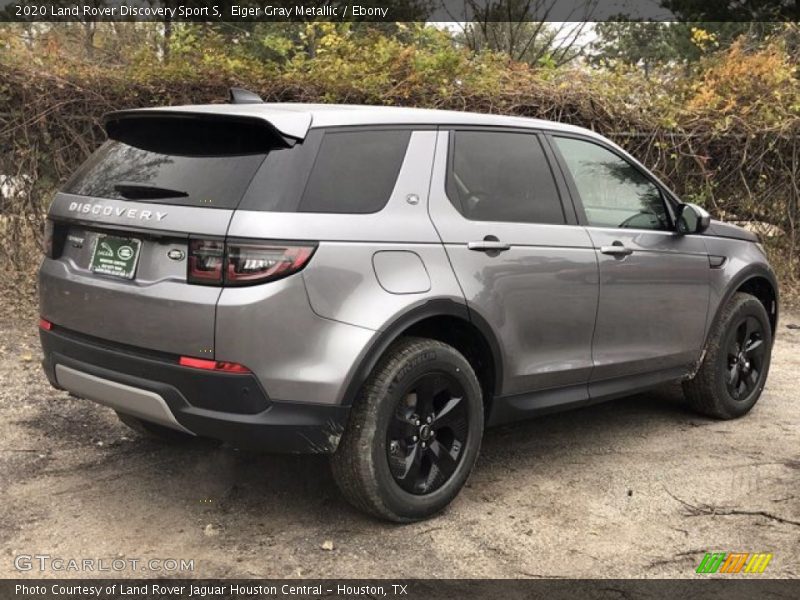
(745, 358)
(426, 437)
(414, 432)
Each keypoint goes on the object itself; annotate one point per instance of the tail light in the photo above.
(252, 263)
(212, 365)
(244, 263)
(53, 238)
(206, 259)
(45, 324)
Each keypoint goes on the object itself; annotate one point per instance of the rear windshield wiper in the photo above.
(141, 191)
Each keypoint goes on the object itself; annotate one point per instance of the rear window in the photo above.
(186, 161)
(128, 173)
(351, 172)
(214, 165)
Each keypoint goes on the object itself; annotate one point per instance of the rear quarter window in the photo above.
(351, 172)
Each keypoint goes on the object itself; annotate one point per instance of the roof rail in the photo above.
(243, 96)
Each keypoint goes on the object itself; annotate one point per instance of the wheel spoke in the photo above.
(751, 327)
(732, 374)
(741, 336)
(752, 344)
(754, 348)
(444, 461)
(752, 379)
(446, 413)
(412, 463)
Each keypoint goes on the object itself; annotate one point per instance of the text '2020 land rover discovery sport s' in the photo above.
(382, 283)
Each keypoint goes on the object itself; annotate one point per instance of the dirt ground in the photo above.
(640, 487)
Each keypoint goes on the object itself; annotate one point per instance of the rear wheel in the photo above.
(414, 432)
(736, 363)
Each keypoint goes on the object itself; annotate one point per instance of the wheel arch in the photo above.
(758, 281)
(447, 321)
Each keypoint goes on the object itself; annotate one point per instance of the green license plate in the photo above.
(115, 256)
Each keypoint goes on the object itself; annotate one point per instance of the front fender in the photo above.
(744, 262)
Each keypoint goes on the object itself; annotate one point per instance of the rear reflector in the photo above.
(212, 365)
(45, 324)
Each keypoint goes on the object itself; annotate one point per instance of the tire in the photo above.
(729, 382)
(391, 462)
(158, 432)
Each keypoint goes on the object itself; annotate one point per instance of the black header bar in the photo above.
(397, 10)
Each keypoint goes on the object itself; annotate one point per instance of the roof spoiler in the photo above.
(168, 131)
(242, 96)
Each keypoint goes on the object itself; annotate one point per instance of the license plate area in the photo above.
(115, 256)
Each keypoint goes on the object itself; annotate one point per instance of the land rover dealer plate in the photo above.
(115, 256)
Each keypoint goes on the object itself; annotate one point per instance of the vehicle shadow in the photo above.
(244, 490)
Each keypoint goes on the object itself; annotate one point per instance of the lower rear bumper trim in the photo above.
(127, 399)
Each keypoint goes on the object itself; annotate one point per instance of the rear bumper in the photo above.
(152, 386)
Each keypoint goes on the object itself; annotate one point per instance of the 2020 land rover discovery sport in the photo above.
(383, 283)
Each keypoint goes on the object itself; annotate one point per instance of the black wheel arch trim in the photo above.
(743, 276)
(439, 307)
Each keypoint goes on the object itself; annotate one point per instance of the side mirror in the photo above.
(692, 219)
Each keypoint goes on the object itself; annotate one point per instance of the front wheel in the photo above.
(736, 362)
(414, 432)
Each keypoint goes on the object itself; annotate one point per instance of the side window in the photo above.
(502, 176)
(613, 192)
(355, 171)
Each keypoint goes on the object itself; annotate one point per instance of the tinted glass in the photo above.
(279, 183)
(613, 192)
(125, 172)
(355, 172)
(502, 177)
(331, 172)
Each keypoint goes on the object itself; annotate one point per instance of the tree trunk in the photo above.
(89, 29)
(167, 40)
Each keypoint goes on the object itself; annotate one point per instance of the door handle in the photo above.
(616, 249)
(488, 246)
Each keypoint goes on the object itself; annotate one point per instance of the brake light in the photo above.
(206, 258)
(45, 324)
(244, 263)
(251, 263)
(212, 365)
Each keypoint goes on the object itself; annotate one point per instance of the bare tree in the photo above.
(522, 29)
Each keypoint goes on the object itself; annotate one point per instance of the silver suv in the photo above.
(383, 283)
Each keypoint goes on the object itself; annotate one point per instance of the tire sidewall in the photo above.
(432, 359)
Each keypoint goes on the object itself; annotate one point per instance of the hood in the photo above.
(728, 230)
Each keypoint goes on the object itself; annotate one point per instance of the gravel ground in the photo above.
(640, 487)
